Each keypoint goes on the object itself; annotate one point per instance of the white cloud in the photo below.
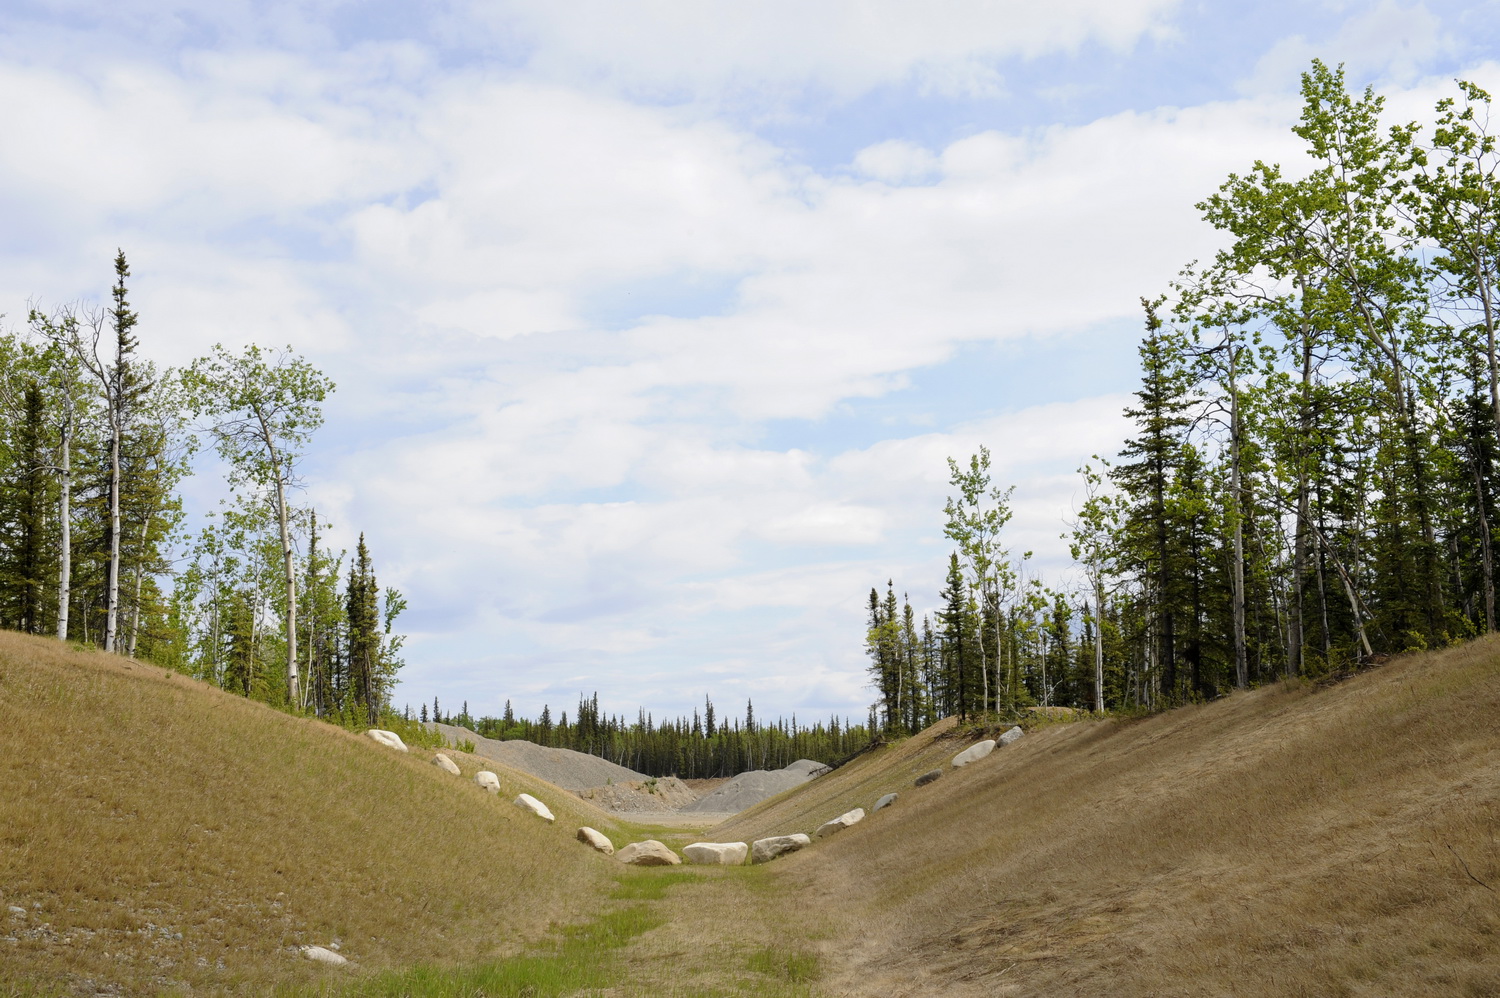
(1390, 42)
(843, 46)
(574, 503)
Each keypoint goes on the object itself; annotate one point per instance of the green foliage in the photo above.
(683, 746)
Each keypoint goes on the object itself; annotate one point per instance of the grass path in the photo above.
(693, 933)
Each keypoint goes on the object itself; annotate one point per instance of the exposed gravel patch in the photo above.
(559, 767)
(638, 796)
(749, 789)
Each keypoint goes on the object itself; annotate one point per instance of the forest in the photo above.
(1310, 483)
(705, 746)
(95, 442)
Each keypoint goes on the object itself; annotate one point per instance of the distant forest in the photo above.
(704, 747)
(1311, 480)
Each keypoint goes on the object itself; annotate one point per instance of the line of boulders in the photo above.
(973, 753)
(654, 853)
(485, 779)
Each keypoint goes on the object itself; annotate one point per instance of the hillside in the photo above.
(1297, 839)
(1290, 840)
(160, 833)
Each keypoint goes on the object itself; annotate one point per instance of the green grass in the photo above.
(791, 966)
(576, 958)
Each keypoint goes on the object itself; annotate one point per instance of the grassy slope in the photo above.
(1292, 840)
(138, 805)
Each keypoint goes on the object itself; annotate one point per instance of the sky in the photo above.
(655, 322)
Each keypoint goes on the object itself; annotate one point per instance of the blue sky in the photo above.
(654, 322)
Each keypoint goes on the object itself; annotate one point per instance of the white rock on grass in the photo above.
(716, 853)
(974, 753)
(446, 764)
(387, 738)
(488, 781)
(526, 802)
(840, 823)
(648, 853)
(1012, 735)
(885, 801)
(765, 850)
(321, 955)
(597, 839)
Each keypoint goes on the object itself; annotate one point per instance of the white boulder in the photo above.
(840, 823)
(446, 764)
(387, 738)
(487, 781)
(765, 850)
(885, 801)
(322, 955)
(648, 853)
(974, 753)
(526, 802)
(595, 838)
(716, 853)
(1012, 735)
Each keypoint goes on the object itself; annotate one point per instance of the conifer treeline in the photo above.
(94, 444)
(702, 747)
(1311, 481)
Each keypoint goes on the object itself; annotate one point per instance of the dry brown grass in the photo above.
(1295, 840)
(1289, 841)
(162, 834)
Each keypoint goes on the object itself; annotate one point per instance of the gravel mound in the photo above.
(751, 788)
(559, 767)
(641, 797)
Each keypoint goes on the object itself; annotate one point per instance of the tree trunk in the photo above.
(65, 524)
(292, 679)
(112, 593)
(1237, 570)
(1098, 648)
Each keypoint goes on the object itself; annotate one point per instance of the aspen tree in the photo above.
(263, 406)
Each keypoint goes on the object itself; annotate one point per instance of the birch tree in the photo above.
(262, 407)
(103, 344)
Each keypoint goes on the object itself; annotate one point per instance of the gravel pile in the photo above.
(667, 793)
(751, 788)
(560, 767)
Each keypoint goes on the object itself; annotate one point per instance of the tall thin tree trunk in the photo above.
(112, 593)
(1098, 648)
(1237, 570)
(135, 612)
(65, 524)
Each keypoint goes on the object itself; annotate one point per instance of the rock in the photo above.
(840, 823)
(387, 738)
(648, 853)
(1012, 735)
(446, 764)
(488, 780)
(597, 839)
(526, 802)
(927, 778)
(765, 850)
(887, 801)
(974, 753)
(716, 853)
(322, 955)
